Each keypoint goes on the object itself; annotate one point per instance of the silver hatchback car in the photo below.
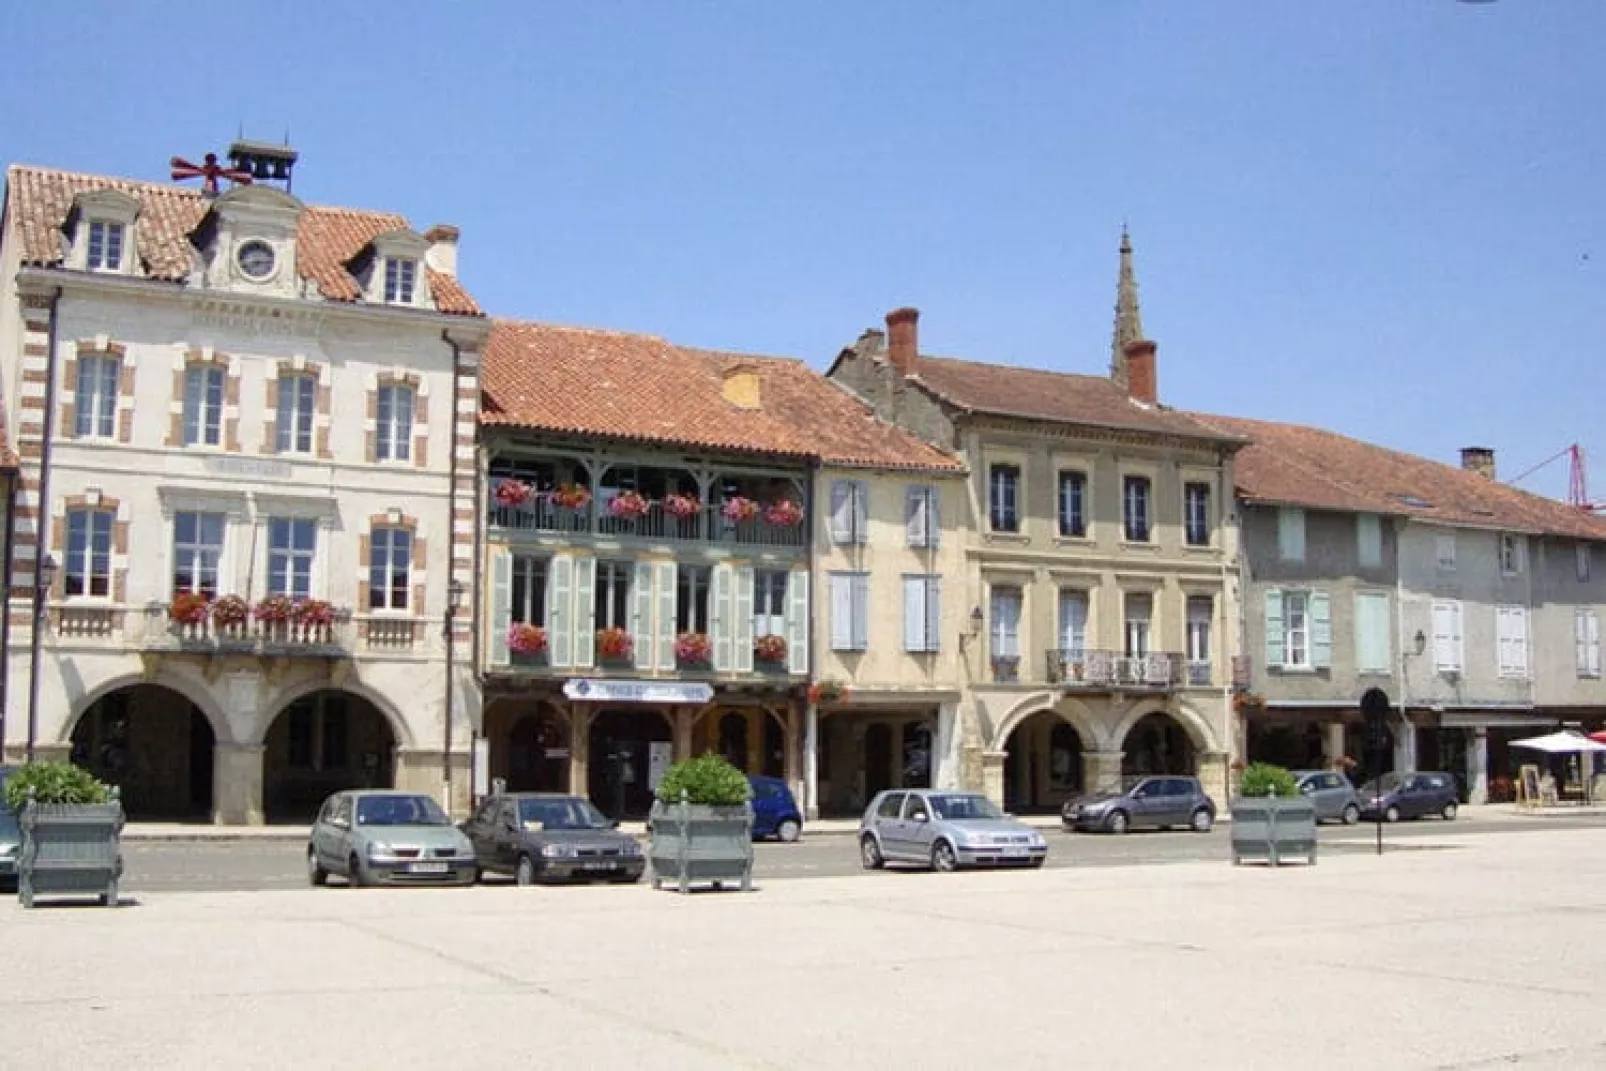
(1332, 793)
(945, 831)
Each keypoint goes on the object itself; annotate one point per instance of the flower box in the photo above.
(613, 645)
(189, 608)
(784, 514)
(230, 612)
(525, 639)
(628, 506)
(313, 613)
(828, 692)
(511, 494)
(683, 506)
(693, 650)
(737, 509)
(274, 610)
(571, 496)
(770, 649)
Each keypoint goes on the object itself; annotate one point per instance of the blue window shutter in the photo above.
(841, 511)
(797, 621)
(1274, 628)
(666, 615)
(914, 516)
(585, 612)
(501, 605)
(841, 613)
(861, 511)
(560, 612)
(861, 611)
(914, 613)
(933, 613)
(719, 616)
(933, 516)
(742, 618)
(1321, 630)
(641, 603)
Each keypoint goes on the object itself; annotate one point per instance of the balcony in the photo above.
(708, 525)
(1089, 670)
(617, 657)
(158, 632)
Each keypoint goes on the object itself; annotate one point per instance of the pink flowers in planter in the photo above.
(693, 648)
(231, 611)
(314, 613)
(770, 648)
(526, 639)
(571, 496)
(682, 506)
(274, 610)
(737, 509)
(613, 644)
(628, 505)
(511, 494)
(189, 608)
(784, 513)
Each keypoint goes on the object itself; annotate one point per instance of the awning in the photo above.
(1566, 742)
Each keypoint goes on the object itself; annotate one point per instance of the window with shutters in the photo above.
(1372, 632)
(1138, 623)
(1135, 508)
(613, 594)
(1511, 640)
(921, 523)
(691, 598)
(1447, 643)
(769, 602)
(1369, 540)
(1291, 534)
(1587, 632)
(850, 611)
(1073, 505)
(95, 401)
(390, 561)
(850, 512)
(1073, 623)
(1003, 498)
(1583, 559)
(529, 592)
(1005, 604)
(1511, 555)
(1444, 550)
(1298, 630)
(87, 569)
(922, 613)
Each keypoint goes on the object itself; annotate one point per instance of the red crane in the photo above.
(1578, 478)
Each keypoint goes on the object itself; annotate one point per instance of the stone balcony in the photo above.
(1095, 670)
(150, 629)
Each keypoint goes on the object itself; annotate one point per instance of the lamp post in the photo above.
(41, 593)
(1419, 643)
(454, 602)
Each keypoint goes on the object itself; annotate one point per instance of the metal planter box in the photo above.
(1273, 829)
(70, 850)
(696, 844)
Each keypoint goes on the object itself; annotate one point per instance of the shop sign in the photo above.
(604, 691)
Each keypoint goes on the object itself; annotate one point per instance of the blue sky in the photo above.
(1378, 216)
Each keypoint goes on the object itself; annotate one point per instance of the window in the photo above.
(1201, 609)
(850, 611)
(105, 246)
(1003, 498)
(1135, 508)
(1291, 534)
(612, 600)
(1369, 540)
(921, 516)
(1073, 505)
(95, 401)
(298, 398)
(1511, 640)
(292, 542)
(1073, 624)
(1296, 629)
(1196, 514)
(1299, 627)
(400, 273)
(1586, 629)
(394, 441)
(197, 551)
(1447, 636)
(1444, 548)
(1511, 555)
(1139, 622)
(769, 602)
(1372, 632)
(203, 405)
(528, 595)
(88, 568)
(1583, 555)
(1005, 617)
(922, 613)
(850, 512)
(390, 560)
(691, 598)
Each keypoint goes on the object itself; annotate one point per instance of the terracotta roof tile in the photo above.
(639, 387)
(1291, 464)
(328, 238)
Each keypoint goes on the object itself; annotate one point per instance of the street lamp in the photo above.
(454, 603)
(45, 577)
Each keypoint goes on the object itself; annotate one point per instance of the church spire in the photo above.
(1128, 318)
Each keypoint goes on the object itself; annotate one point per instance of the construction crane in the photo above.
(1578, 478)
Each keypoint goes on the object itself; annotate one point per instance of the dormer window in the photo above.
(105, 246)
(390, 269)
(400, 275)
(98, 233)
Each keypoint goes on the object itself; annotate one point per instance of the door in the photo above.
(877, 759)
(340, 837)
(918, 828)
(1413, 797)
(509, 837)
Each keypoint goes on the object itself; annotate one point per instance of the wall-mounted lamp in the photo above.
(976, 621)
(1419, 642)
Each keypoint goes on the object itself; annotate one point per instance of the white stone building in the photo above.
(237, 395)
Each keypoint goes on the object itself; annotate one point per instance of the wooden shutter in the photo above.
(585, 612)
(841, 511)
(1443, 637)
(1321, 630)
(861, 610)
(560, 612)
(915, 516)
(742, 618)
(841, 613)
(914, 613)
(501, 604)
(1592, 637)
(641, 606)
(664, 629)
(861, 511)
(719, 616)
(797, 621)
(1520, 640)
(933, 613)
(1276, 652)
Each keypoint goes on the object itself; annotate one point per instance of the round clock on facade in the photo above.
(256, 259)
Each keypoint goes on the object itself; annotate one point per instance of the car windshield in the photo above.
(571, 813)
(964, 808)
(399, 811)
(1387, 783)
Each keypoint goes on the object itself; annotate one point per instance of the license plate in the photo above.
(427, 868)
(597, 866)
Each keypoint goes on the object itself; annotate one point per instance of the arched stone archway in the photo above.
(323, 741)
(529, 745)
(620, 745)
(1158, 743)
(1070, 710)
(155, 744)
(1043, 763)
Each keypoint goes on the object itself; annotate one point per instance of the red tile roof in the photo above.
(1289, 464)
(639, 387)
(328, 238)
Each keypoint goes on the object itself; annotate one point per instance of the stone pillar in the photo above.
(1478, 766)
(1213, 775)
(992, 775)
(579, 750)
(792, 748)
(1404, 746)
(945, 757)
(1101, 771)
(811, 762)
(237, 784)
(1332, 741)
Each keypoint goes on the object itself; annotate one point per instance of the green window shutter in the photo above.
(1321, 630)
(666, 615)
(585, 612)
(1274, 628)
(797, 621)
(560, 612)
(501, 604)
(719, 616)
(641, 600)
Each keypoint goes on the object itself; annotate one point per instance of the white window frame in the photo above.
(296, 412)
(1006, 608)
(390, 569)
(1369, 540)
(106, 245)
(297, 562)
(1196, 517)
(1511, 642)
(1444, 551)
(1137, 498)
(1003, 490)
(1297, 650)
(1586, 636)
(401, 280)
(1199, 631)
(396, 406)
(1511, 556)
(1291, 534)
(531, 575)
(922, 613)
(1073, 633)
(205, 389)
(1137, 630)
(769, 590)
(1073, 491)
(87, 558)
(95, 396)
(203, 558)
(1449, 654)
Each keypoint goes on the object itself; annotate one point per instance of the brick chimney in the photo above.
(903, 339)
(442, 252)
(1142, 378)
(1479, 459)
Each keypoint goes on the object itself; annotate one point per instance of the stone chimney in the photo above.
(442, 252)
(1142, 377)
(1479, 459)
(903, 339)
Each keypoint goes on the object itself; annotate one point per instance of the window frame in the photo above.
(382, 554)
(1586, 642)
(1004, 644)
(401, 280)
(856, 585)
(295, 423)
(1291, 534)
(694, 604)
(393, 441)
(530, 574)
(770, 586)
(95, 396)
(1511, 554)
(1003, 497)
(197, 549)
(1137, 630)
(1137, 508)
(203, 424)
(297, 560)
(84, 569)
(1197, 493)
(1303, 632)
(1072, 500)
(106, 246)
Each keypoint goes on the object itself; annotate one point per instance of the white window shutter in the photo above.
(641, 604)
(1593, 637)
(560, 612)
(1458, 646)
(1443, 649)
(664, 627)
(861, 511)
(501, 605)
(1321, 630)
(1276, 651)
(841, 512)
(585, 612)
(934, 516)
(914, 516)
(719, 615)
(742, 618)
(1581, 640)
(797, 621)
(1520, 642)
(861, 611)
(933, 613)
(841, 613)
(914, 613)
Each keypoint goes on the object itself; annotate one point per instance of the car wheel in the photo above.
(355, 876)
(1448, 814)
(943, 859)
(788, 831)
(1202, 821)
(1392, 814)
(1037, 864)
(524, 873)
(1118, 822)
(479, 875)
(870, 853)
(1352, 814)
(316, 874)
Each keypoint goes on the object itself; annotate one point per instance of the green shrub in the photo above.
(707, 779)
(1264, 779)
(53, 782)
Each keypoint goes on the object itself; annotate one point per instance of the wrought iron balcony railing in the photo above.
(708, 525)
(1093, 669)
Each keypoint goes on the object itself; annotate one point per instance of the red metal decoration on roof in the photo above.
(209, 172)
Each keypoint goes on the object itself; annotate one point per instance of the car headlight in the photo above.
(556, 851)
(1039, 841)
(631, 848)
(7, 849)
(378, 848)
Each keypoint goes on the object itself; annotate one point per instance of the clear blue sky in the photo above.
(1378, 216)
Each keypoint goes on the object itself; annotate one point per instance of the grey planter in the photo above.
(700, 844)
(1273, 829)
(70, 850)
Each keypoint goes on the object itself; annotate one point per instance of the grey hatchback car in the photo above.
(1332, 794)
(387, 837)
(945, 831)
(540, 836)
(1149, 803)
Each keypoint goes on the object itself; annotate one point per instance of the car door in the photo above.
(1413, 791)
(918, 828)
(889, 825)
(1323, 791)
(341, 836)
(478, 831)
(507, 835)
(1178, 801)
(1147, 804)
(321, 832)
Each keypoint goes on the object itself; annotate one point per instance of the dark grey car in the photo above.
(1332, 794)
(1410, 795)
(537, 836)
(10, 837)
(1150, 803)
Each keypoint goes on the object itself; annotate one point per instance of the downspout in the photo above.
(810, 709)
(1405, 746)
(450, 631)
(41, 532)
(1229, 716)
(6, 559)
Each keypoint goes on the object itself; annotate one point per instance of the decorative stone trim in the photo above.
(398, 377)
(67, 412)
(416, 569)
(92, 499)
(205, 355)
(29, 436)
(323, 405)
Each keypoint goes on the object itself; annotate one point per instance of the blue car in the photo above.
(775, 812)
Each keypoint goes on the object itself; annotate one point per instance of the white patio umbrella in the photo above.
(1564, 742)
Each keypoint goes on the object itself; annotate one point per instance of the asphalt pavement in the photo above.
(277, 863)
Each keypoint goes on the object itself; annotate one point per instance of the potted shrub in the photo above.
(72, 830)
(1271, 818)
(702, 826)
